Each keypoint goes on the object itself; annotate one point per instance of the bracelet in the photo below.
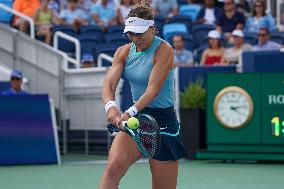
(132, 111)
(109, 104)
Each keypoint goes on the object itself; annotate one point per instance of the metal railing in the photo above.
(30, 20)
(103, 56)
(72, 39)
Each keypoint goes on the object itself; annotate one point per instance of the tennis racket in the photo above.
(147, 135)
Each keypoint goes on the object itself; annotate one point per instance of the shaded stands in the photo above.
(263, 61)
(191, 10)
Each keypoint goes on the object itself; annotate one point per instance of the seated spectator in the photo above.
(165, 8)
(54, 5)
(123, 10)
(232, 54)
(73, 16)
(229, 20)
(208, 14)
(214, 54)
(26, 7)
(43, 21)
(264, 44)
(182, 57)
(16, 79)
(87, 61)
(103, 14)
(259, 19)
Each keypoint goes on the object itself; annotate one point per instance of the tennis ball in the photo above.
(133, 123)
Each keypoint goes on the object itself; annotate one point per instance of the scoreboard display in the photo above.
(245, 116)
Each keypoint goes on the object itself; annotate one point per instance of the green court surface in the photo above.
(84, 172)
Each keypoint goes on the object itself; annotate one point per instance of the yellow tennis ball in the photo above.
(133, 123)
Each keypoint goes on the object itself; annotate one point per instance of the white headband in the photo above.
(137, 25)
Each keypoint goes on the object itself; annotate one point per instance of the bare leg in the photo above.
(123, 153)
(164, 174)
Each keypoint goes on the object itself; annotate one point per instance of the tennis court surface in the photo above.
(84, 172)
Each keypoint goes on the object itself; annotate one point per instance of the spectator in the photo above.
(165, 8)
(103, 14)
(182, 57)
(264, 44)
(43, 21)
(230, 19)
(123, 11)
(214, 54)
(259, 18)
(73, 16)
(16, 79)
(232, 54)
(26, 7)
(208, 14)
(54, 5)
(87, 61)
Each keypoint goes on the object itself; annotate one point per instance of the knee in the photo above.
(115, 170)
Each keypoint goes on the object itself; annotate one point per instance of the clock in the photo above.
(233, 107)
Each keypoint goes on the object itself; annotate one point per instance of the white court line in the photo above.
(97, 162)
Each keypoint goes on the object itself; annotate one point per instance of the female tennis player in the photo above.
(147, 63)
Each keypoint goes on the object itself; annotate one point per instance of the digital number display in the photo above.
(277, 126)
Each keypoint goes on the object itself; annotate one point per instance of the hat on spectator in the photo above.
(87, 58)
(16, 73)
(238, 33)
(214, 34)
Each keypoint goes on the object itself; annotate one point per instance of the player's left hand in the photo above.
(124, 117)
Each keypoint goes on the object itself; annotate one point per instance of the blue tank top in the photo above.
(137, 70)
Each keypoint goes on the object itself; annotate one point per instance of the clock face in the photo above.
(233, 107)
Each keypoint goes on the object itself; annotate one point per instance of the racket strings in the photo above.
(149, 135)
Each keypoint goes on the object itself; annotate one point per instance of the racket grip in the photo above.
(112, 128)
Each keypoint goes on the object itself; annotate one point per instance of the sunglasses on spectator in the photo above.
(262, 34)
(15, 79)
(228, 3)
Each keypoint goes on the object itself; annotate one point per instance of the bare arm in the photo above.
(111, 80)
(203, 58)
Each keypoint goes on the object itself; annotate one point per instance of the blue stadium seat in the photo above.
(6, 16)
(191, 10)
(172, 29)
(184, 19)
(115, 29)
(92, 30)
(108, 49)
(88, 43)
(182, 2)
(117, 39)
(188, 41)
(277, 37)
(200, 31)
(199, 52)
(159, 22)
(63, 44)
(250, 38)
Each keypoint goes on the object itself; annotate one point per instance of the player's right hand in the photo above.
(113, 115)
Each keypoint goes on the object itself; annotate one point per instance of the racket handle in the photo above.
(112, 129)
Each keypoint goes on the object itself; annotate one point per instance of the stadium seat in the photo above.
(117, 39)
(159, 22)
(115, 29)
(92, 30)
(277, 37)
(172, 29)
(184, 19)
(6, 16)
(88, 43)
(199, 52)
(182, 2)
(200, 31)
(63, 44)
(250, 38)
(191, 10)
(108, 49)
